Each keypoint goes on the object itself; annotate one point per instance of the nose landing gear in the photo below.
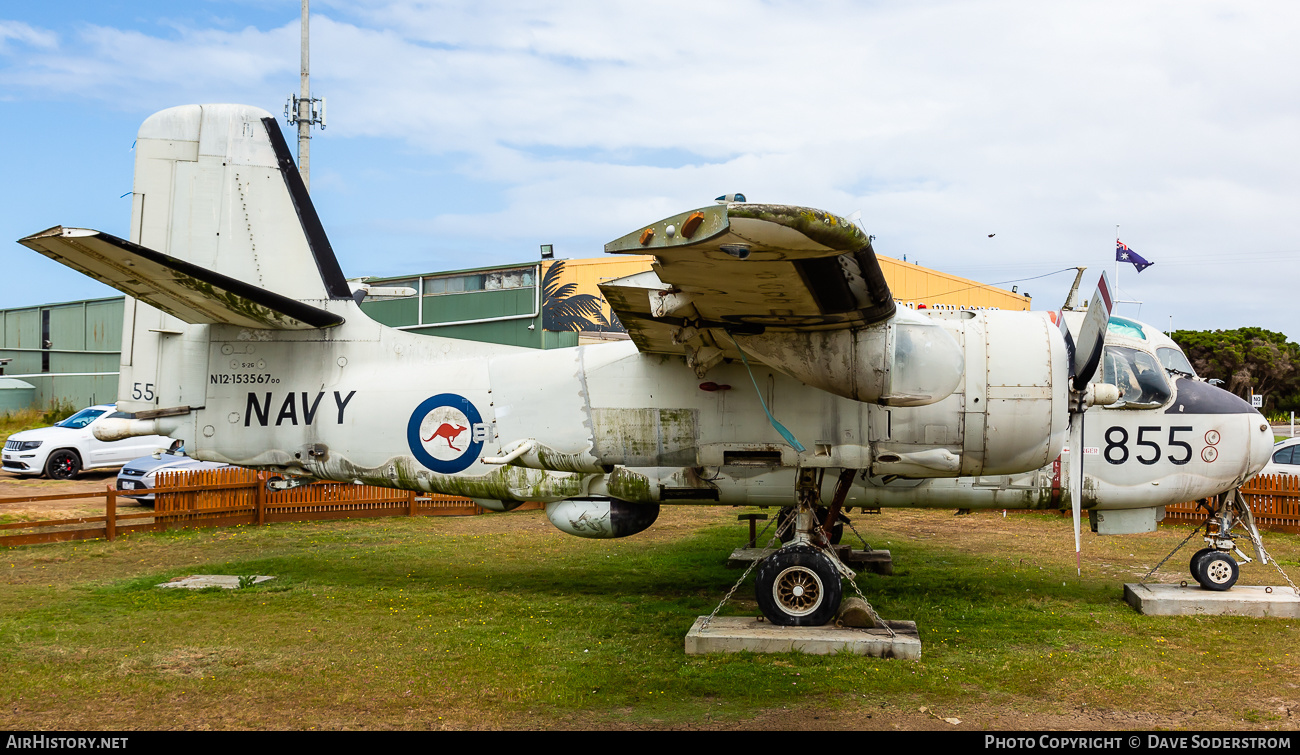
(1213, 567)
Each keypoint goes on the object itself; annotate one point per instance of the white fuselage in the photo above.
(370, 403)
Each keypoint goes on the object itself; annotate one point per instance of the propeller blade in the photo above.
(1092, 336)
(1059, 319)
(1076, 483)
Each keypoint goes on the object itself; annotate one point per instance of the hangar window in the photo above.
(493, 281)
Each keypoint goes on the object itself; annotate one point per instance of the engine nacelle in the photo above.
(1008, 415)
(909, 360)
(601, 517)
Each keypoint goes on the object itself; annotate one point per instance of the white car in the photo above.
(1286, 458)
(62, 451)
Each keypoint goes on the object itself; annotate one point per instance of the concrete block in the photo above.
(1194, 600)
(877, 561)
(732, 634)
(200, 581)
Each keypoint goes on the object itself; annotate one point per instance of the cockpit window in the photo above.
(1126, 328)
(1140, 379)
(1175, 360)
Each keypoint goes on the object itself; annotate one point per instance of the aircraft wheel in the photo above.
(788, 512)
(1220, 571)
(63, 464)
(798, 587)
(1195, 564)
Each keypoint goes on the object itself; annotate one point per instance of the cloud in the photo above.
(942, 121)
(17, 31)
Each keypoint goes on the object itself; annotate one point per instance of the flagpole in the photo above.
(1117, 262)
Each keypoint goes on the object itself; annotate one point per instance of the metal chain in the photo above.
(865, 546)
(730, 592)
(780, 530)
(853, 580)
(1177, 548)
(875, 616)
(1278, 566)
(830, 553)
(1257, 539)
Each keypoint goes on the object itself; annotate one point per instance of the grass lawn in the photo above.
(501, 621)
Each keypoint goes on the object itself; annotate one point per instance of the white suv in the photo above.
(61, 451)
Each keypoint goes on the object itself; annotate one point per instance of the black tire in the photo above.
(787, 512)
(798, 587)
(1220, 571)
(63, 464)
(1194, 565)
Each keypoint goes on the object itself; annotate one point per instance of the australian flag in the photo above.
(1124, 254)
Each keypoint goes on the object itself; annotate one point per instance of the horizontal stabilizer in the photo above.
(192, 293)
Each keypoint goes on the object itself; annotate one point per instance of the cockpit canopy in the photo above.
(1143, 379)
(1140, 378)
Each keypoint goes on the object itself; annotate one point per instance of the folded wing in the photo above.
(747, 268)
(190, 292)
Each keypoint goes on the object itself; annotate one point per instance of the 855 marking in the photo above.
(1117, 450)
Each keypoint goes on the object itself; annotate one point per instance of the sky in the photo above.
(466, 134)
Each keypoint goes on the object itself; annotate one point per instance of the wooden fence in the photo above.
(108, 526)
(225, 497)
(234, 495)
(1274, 500)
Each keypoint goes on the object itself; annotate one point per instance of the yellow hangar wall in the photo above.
(913, 285)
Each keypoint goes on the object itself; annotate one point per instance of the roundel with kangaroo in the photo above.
(446, 433)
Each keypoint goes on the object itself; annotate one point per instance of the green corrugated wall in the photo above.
(84, 337)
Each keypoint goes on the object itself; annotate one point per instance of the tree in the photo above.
(1246, 359)
(563, 310)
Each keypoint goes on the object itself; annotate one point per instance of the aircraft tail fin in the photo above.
(223, 232)
(215, 186)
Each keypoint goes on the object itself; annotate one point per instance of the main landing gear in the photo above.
(799, 585)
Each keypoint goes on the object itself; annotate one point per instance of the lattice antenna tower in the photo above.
(304, 110)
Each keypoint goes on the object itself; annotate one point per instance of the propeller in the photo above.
(1085, 356)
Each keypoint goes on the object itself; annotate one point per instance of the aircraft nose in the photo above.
(1198, 398)
(1261, 442)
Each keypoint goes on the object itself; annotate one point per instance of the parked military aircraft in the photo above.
(244, 338)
